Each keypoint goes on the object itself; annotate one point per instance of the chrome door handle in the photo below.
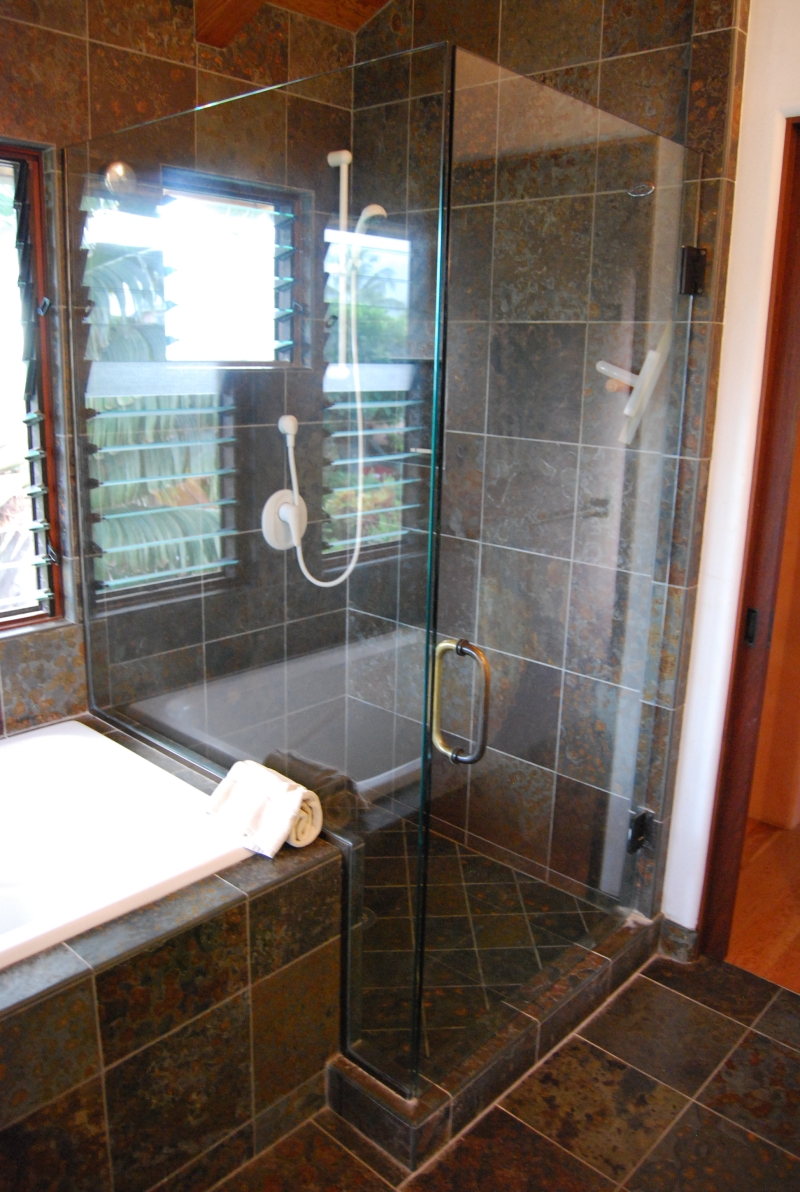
(462, 647)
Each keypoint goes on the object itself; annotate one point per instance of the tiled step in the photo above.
(547, 1009)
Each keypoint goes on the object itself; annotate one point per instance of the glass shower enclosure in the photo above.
(444, 614)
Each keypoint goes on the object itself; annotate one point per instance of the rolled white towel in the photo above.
(266, 808)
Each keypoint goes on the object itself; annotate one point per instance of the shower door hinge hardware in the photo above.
(43, 307)
(693, 269)
(750, 626)
(639, 830)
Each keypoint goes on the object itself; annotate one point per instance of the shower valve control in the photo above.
(276, 528)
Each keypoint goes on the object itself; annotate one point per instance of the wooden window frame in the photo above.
(772, 475)
(33, 158)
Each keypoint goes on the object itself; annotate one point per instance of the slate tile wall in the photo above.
(73, 69)
(169, 1046)
(675, 69)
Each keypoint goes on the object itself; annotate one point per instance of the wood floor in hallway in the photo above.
(766, 925)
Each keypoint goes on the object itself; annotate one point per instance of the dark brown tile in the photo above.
(714, 14)
(43, 676)
(547, 143)
(243, 139)
(593, 739)
(164, 28)
(470, 263)
(68, 16)
(214, 1165)
(129, 89)
(42, 973)
(541, 260)
(759, 1088)
(666, 1035)
(536, 380)
(523, 716)
(629, 27)
(472, 24)
(156, 991)
(648, 89)
(782, 1019)
(380, 149)
(259, 52)
(462, 490)
(425, 151)
(578, 832)
(179, 1096)
(609, 623)
(467, 362)
(388, 32)
(628, 948)
(295, 1023)
(706, 1153)
(138, 930)
(529, 498)
(309, 1160)
(43, 87)
(409, 1130)
(709, 98)
(596, 1107)
(46, 1049)
(290, 1111)
(615, 489)
(510, 802)
(316, 47)
(296, 918)
(581, 82)
(62, 1146)
(523, 597)
(546, 38)
(721, 987)
(360, 1146)
(502, 1152)
(381, 82)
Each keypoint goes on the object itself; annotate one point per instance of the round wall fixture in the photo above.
(275, 530)
(642, 190)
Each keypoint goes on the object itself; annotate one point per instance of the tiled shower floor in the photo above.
(490, 930)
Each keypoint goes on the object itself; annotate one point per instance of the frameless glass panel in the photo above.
(218, 285)
(565, 386)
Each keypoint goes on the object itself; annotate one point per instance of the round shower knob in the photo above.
(275, 530)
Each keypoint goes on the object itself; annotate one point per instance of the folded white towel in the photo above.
(267, 808)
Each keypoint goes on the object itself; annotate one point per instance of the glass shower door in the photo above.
(256, 301)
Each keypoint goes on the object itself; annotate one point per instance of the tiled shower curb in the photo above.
(547, 1011)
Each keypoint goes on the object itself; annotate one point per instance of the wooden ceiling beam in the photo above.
(218, 21)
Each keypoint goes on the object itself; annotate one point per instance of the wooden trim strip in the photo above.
(777, 430)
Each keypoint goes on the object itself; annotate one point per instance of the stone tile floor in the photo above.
(688, 1080)
(489, 931)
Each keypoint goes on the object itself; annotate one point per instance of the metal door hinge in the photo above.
(639, 830)
(750, 626)
(693, 269)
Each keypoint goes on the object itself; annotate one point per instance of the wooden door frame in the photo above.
(775, 444)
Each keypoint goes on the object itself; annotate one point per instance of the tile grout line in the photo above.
(347, 1149)
(554, 1142)
(496, 1102)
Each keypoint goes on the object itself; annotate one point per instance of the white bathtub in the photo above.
(88, 831)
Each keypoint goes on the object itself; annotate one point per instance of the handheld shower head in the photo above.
(372, 211)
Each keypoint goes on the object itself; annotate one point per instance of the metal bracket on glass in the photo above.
(456, 754)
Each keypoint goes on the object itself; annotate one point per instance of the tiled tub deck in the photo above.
(167, 1047)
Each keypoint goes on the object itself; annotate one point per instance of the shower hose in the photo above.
(290, 514)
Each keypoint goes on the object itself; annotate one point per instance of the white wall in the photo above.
(771, 93)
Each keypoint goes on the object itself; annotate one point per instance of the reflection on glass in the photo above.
(18, 586)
